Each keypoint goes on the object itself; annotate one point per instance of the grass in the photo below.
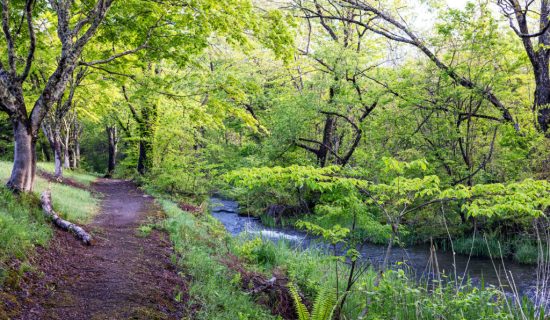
(77, 175)
(528, 251)
(482, 247)
(73, 204)
(397, 295)
(201, 242)
(22, 223)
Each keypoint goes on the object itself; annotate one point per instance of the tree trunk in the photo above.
(72, 159)
(66, 159)
(46, 151)
(147, 134)
(542, 97)
(77, 153)
(24, 162)
(113, 140)
(55, 143)
(81, 234)
(326, 147)
(144, 156)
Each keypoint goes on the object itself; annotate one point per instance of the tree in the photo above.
(146, 119)
(74, 31)
(378, 21)
(538, 52)
(58, 118)
(342, 63)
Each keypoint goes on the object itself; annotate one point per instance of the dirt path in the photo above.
(122, 276)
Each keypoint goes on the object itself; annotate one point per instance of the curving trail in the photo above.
(122, 276)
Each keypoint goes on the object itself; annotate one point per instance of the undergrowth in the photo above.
(74, 204)
(398, 295)
(22, 222)
(201, 242)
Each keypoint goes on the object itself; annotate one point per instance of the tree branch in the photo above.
(32, 41)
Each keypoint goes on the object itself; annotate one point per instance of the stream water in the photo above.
(417, 258)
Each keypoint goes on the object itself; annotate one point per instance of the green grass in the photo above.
(397, 295)
(79, 176)
(528, 251)
(73, 204)
(200, 242)
(482, 247)
(22, 223)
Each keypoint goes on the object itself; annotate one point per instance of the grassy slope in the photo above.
(200, 242)
(73, 204)
(78, 176)
(22, 225)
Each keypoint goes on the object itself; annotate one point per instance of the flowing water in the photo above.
(417, 258)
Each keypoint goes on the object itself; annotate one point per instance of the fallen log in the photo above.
(79, 233)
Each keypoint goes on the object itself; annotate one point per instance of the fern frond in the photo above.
(301, 309)
(323, 307)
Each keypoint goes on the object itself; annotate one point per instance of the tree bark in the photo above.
(113, 146)
(147, 134)
(79, 233)
(542, 96)
(24, 162)
(66, 141)
(54, 138)
(327, 144)
(77, 153)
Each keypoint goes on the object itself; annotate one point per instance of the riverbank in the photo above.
(417, 272)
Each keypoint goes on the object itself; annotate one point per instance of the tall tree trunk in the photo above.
(24, 162)
(145, 160)
(113, 145)
(71, 158)
(77, 153)
(542, 97)
(147, 134)
(46, 151)
(51, 131)
(66, 159)
(327, 143)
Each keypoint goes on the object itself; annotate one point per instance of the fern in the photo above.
(323, 308)
(301, 310)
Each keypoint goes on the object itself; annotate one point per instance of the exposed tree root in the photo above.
(79, 233)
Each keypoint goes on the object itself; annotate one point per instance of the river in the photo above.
(417, 258)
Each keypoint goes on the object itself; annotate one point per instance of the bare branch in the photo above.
(7, 35)
(32, 41)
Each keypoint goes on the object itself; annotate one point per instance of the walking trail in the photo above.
(121, 276)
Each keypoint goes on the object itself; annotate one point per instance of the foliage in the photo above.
(323, 307)
(198, 240)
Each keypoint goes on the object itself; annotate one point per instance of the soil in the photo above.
(50, 177)
(123, 275)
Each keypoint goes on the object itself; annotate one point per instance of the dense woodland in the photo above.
(393, 122)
